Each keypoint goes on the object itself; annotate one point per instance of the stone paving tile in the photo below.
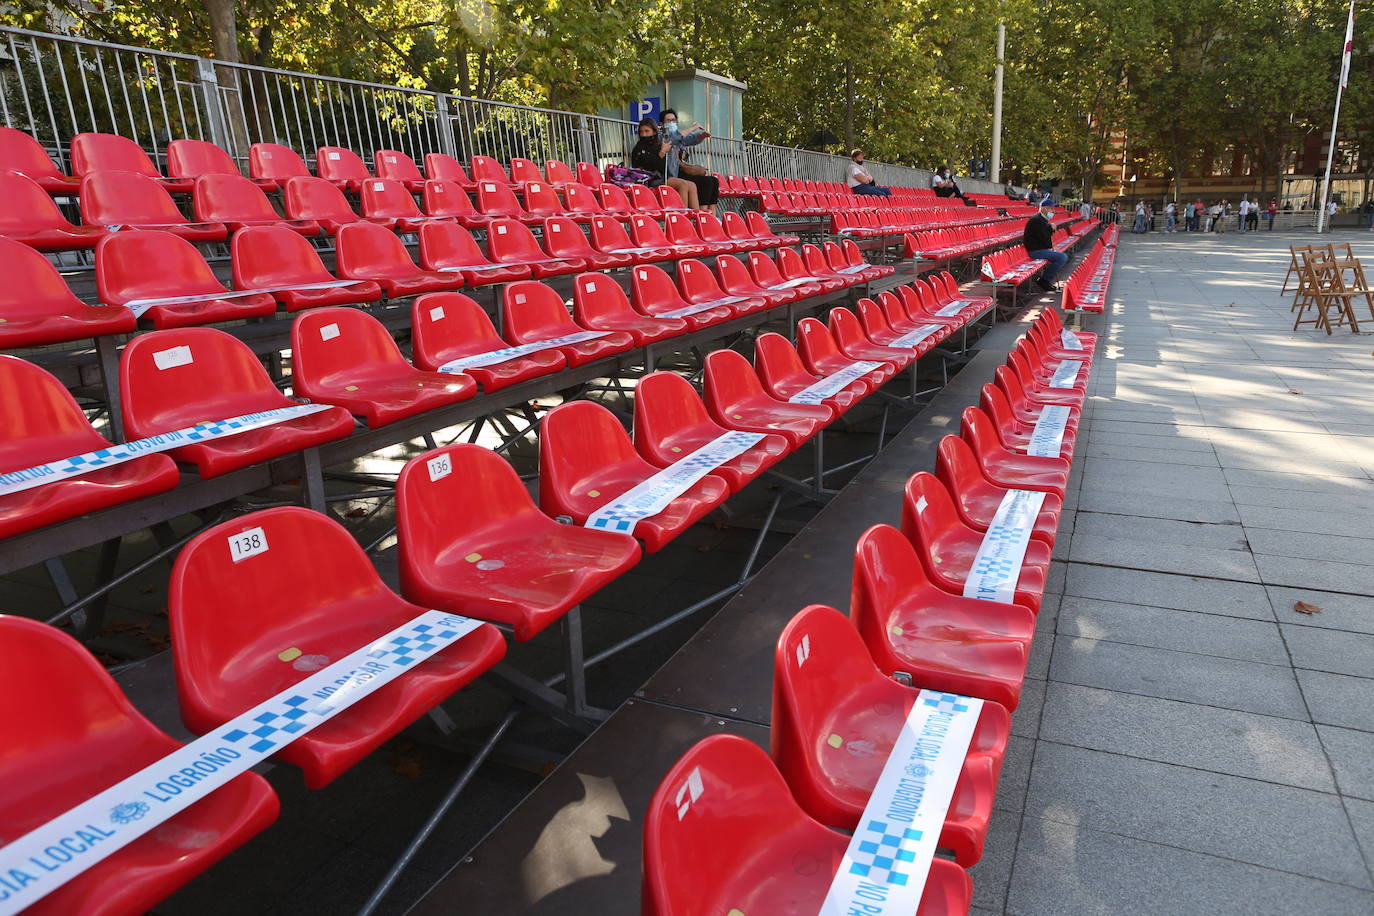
(1165, 628)
(1338, 699)
(1161, 531)
(1354, 613)
(1224, 816)
(1321, 575)
(1352, 758)
(1342, 522)
(1184, 593)
(1168, 558)
(1145, 505)
(1330, 650)
(1358, 551)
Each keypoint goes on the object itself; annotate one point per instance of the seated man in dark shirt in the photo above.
(1039, 241)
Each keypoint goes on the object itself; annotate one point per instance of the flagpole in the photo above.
(1322, 224)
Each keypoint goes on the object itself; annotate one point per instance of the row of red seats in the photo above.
(1086, 288)
(746, 186)
(368, 377)
(316, 591)
(1010, 266)
(877, 222)
(961, 241)
(814, 204)
(728, 822)
(273, 266)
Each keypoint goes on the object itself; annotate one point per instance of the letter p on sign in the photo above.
(646, 108)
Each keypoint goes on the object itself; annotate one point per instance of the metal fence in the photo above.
(56, 86)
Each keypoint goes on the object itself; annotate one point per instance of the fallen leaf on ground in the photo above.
(357, 512)
(1302, 607)
(407, 766)
(1294, 391)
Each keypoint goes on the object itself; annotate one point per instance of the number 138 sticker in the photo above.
(247, 544)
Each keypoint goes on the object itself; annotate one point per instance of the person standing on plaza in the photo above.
(1368, 211)
(1270, 212)
(1171, 216)
(1139, 226)
(1242, 214)
(1038, 240)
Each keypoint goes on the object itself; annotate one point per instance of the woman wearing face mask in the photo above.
(650, 154)
(943, 183)
(707, 185)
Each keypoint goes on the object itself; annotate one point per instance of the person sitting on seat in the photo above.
(943, 183)
(860, 181)
(650, 154)
(1038, 239)
(708, 185)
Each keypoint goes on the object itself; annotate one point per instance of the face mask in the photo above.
(670, 127)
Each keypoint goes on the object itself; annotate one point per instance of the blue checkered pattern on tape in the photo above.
(278, 724)
(885, 849)
(945, 702)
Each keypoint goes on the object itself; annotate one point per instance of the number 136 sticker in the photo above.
(247, 544)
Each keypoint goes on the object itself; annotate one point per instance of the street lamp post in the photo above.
(995, 173)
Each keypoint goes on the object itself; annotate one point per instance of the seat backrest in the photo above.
(222, 196)
(113, 198)
(193, 158)
(391, 163)
(697, 282)
(666, 407)
(40, 421)
(815, 261)
(335, 163)
(563, 237)
(34, 289)
(815, 342)
(508, 239)
(540, 197)
(302, 572)
(776, 361)
(589, 174)
(177, 378)
(734, 275)
(614, 198)
(532, 311)
(729, 379)
(495, 198)
(445, 197)
(643, 199)
(445, 244)
(681, 230)
(364, 247)
(21, 153)
(845, 327)
(886, 569)
(28, 207)
(485, 168)
(653, 289)
(958, 468)
(267, 257)
(709, 227)
(306, 197)
(578, 198)
(719, 804)
(928, 510)
(609, 233)
(764, 269)
(386, 197)
(758, 226)
(670, 199)
(92, 152)
(150, 265)
(872, 318)
(522, 170)
(442, 165)
(558, 172)
(735, 226)
(275, 162)
(647, 233)
(447, 326)
(578, 439)
(792, 264)
(332, 345)
(599, 297)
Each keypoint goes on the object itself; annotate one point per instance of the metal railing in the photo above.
(56, 86)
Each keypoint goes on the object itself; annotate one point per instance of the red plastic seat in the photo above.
(314, 591)
(669, 199)
(643, 200)
(945, 642)
(1006, 468)
(671, 422)
(615, 201)
(760, 229)
(541, 200)
(723, 832)
(40, 308)
(1012, 432)
(647, 233)
(193, 158)
(1026, 405)
(448, 247)
(275, 258)
(94, 152)
(977, 499)
(443, 197)
(947, 546)
(238, 203)
(818, 265)
(387, 199)
(72, 734)
(589, 174)
(781, 371)
(20, 152)
(712, 232)
(736, 280)
(449, 326)
(895, 314)
(766, 274)
(821, 356)
(445, 167)
(794, 268)
(580, 202)
(655, 295)
(608, 235)
(1035, 375)
(274, 162)
(736, 400)
(586, 460)
(397, 166)
(497, 557)
(850, 338)
(558, 173)
(215, 377)
(681, 232)
(600, 304)
(739, 231)
(345, 357)
(497, 200)
(341, 167)
(30, 216)
(532, 312)
(485, 168)
(564, 239)
(307, 198)
(509, 242)
(699, 286)
(836, 718)
(41, 422)
(369, 252)
(127, 199)
(134, 266)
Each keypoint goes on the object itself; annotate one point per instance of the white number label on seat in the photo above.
(591, 287)
(172, 357)
(247, 544)
(436, 313)
(378, 186)
(439, 466)
(329, 332)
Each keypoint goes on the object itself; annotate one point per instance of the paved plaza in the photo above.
(1191, 743)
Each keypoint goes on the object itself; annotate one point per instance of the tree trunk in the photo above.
(224, 29)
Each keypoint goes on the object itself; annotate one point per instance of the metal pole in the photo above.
(1322, 225)
(995, 174)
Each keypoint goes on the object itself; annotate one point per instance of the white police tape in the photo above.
(1047, 438)
(49, 856)
(1066, 374)
(139, 306)
(833, 383)
(501, 265)
(1069, 340)
(887, 862)
(698, 307)
(996, 566)
(916, 335)
(652, 496)
(954, 308)
(62, 469)
(492, 357)
(798, 281)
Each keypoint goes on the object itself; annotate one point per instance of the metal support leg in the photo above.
(109, 376)
(66, 591)
(109, 559)
(313, 482)
(574, 663)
